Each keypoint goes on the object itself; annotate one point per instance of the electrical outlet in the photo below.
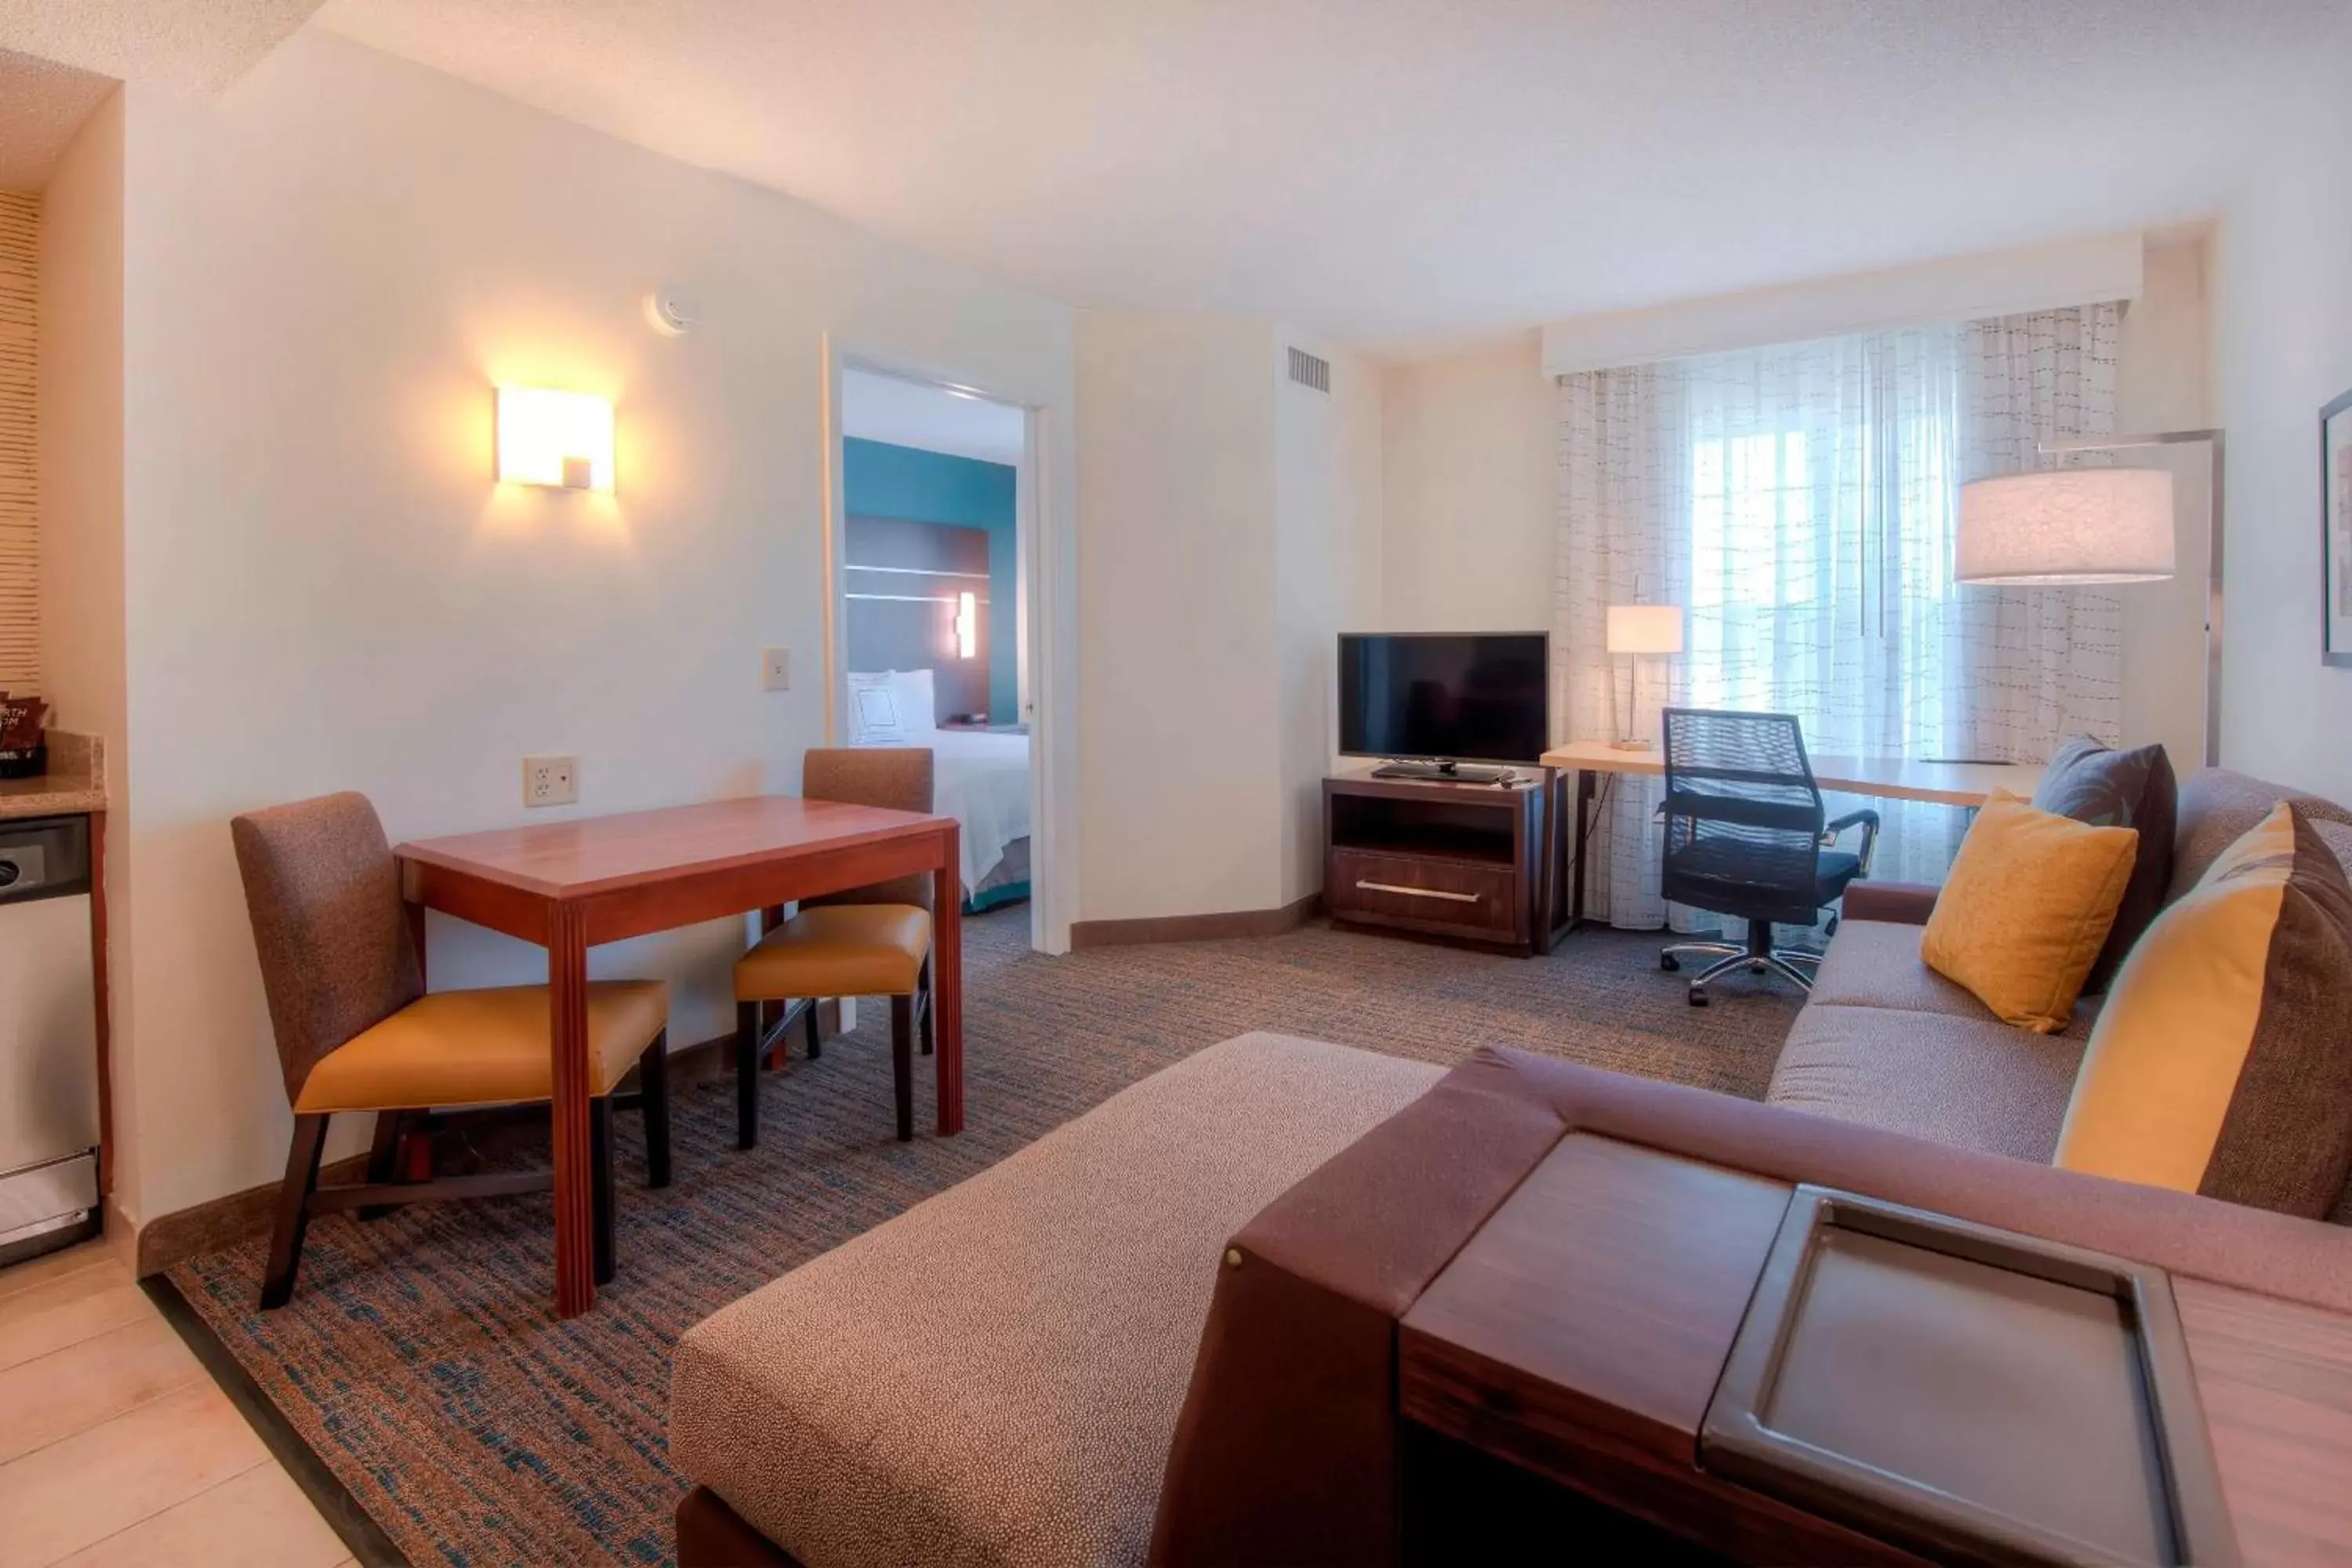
(550, 781)
(775, 669)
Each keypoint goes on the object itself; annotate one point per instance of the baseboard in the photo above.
(1196, 928)
(169, 1240)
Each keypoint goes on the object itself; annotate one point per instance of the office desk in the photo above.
(568, 885)
(1966, 784)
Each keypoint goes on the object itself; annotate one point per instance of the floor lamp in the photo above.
(1638, 631)
(2075, 527)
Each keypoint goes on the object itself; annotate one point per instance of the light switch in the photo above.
(775, 669)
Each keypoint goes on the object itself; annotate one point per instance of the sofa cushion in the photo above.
(1876, 964)
(2028, 905)
(2109, 788)
(996, 1374)
(2217, 807)
(1974, 1083)
(2222, 1064)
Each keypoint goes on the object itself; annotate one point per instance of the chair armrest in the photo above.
(1896, 903)
(1867, 820)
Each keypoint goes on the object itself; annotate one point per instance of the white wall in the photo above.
(2283, 337)
(1178, 705)
(80, 416)
(1230, 529)
(1328, 569)
(1469, 506)
(325, 272)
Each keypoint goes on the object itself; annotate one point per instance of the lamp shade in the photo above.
(563, 439)
(1646, 628)
(2066, 525)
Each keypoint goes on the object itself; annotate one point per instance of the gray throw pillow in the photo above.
(2107, 788)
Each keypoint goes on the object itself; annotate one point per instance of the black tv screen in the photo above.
(1471, 696)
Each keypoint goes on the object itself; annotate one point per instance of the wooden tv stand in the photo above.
(1472, 862)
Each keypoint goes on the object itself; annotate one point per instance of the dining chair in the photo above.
(872, 941)
(357, 1031)
(1745, 837)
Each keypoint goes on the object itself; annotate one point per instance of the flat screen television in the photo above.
(1473, 697)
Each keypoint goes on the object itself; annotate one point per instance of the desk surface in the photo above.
(603, 854)
(1888, 778)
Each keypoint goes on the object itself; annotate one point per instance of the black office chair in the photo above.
(1745, 836)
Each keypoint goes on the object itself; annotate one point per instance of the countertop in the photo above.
(76, 781)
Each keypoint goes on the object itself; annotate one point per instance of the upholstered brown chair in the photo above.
(869, 942)
(357, 1031)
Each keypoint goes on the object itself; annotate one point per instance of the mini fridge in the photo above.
(49, 1038)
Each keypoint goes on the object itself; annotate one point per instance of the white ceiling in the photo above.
(1398, 174)
(910, 414)
(59, 58)
(198, 46)
(41, 105)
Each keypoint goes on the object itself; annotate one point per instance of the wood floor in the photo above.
(115, 1447)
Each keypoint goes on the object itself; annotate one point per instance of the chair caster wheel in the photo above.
(1698, 997)
(1670, 963)
(1831, 929)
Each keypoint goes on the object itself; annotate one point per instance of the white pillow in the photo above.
(919, 708)
(874, 714)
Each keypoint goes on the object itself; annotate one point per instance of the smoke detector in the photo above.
(673, 311)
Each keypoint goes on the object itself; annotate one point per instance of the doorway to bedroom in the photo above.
(933, 582)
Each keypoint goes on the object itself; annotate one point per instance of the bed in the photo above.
(980, 777)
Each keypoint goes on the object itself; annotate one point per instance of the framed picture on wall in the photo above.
(2336, 530)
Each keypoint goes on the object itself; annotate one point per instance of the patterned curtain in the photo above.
(1799, 502)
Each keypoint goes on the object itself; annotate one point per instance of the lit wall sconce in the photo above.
(967, 624)
(559, 439)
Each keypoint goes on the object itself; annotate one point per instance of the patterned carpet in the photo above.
(420, 1361)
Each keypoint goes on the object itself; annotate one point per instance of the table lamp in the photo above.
(1639, 631)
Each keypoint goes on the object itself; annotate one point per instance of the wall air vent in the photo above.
(1307, 369)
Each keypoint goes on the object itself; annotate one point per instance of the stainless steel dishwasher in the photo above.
(49, 1038)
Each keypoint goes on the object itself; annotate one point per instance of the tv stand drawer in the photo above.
(1424, 893)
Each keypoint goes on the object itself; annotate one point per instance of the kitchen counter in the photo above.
(76, 781)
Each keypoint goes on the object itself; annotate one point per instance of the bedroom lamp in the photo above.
(1637, 632)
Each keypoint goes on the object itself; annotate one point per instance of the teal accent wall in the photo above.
(879, 479)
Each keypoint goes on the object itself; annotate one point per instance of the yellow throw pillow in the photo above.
(2023, 915)
(2222, 1061)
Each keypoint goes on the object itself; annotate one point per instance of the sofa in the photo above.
(1164, 1331)
(1886, 1042)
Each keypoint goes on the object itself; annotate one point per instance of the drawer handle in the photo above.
(1419, 892)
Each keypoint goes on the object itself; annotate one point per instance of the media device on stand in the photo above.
(1459, 834)
(1460, 707)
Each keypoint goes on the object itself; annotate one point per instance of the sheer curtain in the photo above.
(1799, 502)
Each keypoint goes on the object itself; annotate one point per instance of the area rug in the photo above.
(419, 1358)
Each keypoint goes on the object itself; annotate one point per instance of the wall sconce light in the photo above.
(563, 439)
(967, 624)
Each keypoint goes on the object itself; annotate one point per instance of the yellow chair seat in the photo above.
(482, 1048)
(838, 950)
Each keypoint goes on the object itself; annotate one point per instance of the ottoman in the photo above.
(995, 1375)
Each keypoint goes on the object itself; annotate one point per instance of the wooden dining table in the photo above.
(570, 885)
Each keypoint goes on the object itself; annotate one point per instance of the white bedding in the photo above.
(982, 781)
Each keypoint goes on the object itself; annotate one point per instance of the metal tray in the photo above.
(1969, 1393)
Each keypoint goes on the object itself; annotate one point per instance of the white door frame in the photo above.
(1044, 494)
